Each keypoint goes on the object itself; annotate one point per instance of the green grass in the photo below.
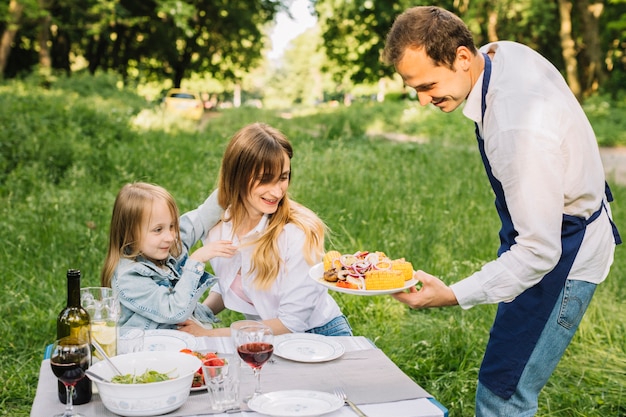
(66, 152)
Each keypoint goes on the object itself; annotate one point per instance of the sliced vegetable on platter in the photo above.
(365, 270)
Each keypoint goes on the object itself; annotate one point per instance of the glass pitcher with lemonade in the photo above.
(104, 311)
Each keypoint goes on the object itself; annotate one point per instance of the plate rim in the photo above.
(339, 348)
(319, 278)
(334, 406)
(172, 333)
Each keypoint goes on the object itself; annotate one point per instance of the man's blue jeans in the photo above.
(555, 337)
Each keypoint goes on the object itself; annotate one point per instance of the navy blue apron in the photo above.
(518, 324)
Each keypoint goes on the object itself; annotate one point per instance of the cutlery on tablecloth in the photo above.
(339, 392)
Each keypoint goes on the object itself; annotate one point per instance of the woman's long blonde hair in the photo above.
(256, 153)
(131, 209)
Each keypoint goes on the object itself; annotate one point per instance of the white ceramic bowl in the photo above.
(150, 399)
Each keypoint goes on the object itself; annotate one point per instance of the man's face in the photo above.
(438, 85)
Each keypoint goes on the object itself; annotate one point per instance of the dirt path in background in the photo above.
(613, 159)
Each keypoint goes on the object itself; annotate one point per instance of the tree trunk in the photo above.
(60, 51)
(97, 48)
(593, 74)
(568, 47)
(127, 51)
(13, 24)
(43, 38)
(182, 64)
(179, 74)
(119, 30)
(492, 26)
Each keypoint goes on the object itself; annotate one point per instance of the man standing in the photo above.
(542, 160)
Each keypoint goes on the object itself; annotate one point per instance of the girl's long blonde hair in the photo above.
(131, 209)
(256, 153)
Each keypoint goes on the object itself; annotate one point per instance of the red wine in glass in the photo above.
(255, 354)
(69, 359)
(69, 369)
(254, 346)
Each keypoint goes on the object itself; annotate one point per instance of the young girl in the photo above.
(148, 264)
(278, 239)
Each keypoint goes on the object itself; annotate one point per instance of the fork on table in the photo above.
(339, 392)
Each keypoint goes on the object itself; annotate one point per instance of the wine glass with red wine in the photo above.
(69, 360)
(254, 345)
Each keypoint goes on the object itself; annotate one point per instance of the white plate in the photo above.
(164, 339)
(307, 347)
(296, 403)
(317, 274)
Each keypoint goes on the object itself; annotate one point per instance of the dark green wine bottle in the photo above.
(74, 321)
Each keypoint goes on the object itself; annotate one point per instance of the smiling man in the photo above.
(541, 157)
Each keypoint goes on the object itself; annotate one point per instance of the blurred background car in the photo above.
(184, 103)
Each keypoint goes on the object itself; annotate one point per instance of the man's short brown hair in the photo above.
(437, 30)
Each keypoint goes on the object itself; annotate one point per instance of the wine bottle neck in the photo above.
(73, 289)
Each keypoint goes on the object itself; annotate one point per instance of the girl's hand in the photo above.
(223, 248)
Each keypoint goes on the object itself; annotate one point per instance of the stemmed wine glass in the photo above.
(254, 346)
(69, 359)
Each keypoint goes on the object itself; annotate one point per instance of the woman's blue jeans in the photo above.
(555, 337)
(338, 326)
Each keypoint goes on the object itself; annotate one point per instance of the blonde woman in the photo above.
(278, 240)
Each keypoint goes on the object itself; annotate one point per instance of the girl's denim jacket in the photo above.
(152, 298)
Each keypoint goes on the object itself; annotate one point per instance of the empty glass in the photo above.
(221, 377)
(130, 340)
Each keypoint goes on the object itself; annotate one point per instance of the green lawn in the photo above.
(67, 151)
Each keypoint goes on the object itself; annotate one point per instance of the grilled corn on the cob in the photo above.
(329, 257)
(403, 266)
(383, 279)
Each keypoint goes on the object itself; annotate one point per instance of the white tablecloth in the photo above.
(369, 377)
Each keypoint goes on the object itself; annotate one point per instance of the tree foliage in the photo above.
(354, 33)
(152, 40)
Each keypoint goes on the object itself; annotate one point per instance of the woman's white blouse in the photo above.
(294, 298)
